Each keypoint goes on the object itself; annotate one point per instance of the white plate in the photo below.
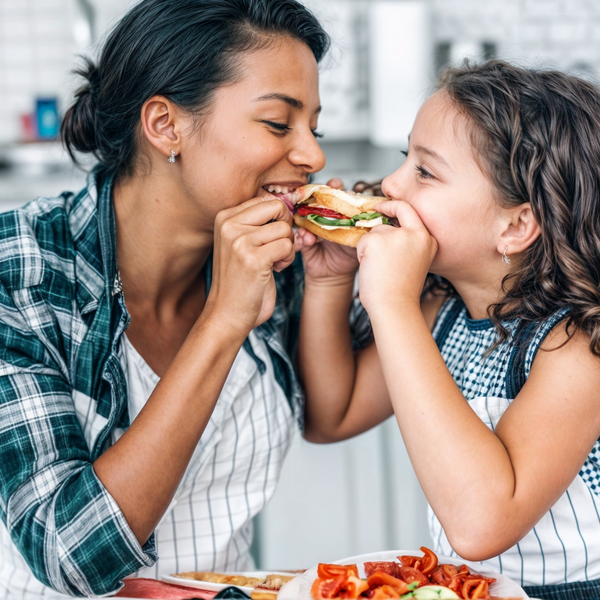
(217, 587)
(299, 587)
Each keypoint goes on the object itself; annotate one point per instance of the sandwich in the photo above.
(269, 588)
(336, 215)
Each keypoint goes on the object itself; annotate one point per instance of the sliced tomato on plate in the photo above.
(426, 563)
(380, 578)
(327, 588)
(412, 575)
(326, 571)
(353, 587)
(385, 566)
(384, 592)
(304, 210)
(475, 588)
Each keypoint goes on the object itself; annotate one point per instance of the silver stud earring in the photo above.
(172, 157)
(504, 257)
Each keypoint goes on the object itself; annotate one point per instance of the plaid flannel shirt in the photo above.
(61, 318)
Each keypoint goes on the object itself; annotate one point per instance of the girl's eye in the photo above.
(279, 127)
(423, 173)
(316, 133)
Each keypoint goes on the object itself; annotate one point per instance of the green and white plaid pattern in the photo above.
(63, 392)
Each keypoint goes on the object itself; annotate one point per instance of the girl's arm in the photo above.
(345, 393)
(488, 488)
(335, 377)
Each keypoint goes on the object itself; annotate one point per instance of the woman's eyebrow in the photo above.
(293, 102)
(431, 153)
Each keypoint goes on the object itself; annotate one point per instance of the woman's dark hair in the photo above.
(536, 136)
(181, 49)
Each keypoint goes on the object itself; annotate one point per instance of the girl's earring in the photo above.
(172, 157)
(504, 257)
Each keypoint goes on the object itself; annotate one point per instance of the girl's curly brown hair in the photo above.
(536, 135)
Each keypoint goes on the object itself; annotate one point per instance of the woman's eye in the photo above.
(279, 127)
(316, 133)
(423, 173)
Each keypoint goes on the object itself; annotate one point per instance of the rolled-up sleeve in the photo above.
(63, 521)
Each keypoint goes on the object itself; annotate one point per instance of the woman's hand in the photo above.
(325, 262)
(394, 261)
(251, 240)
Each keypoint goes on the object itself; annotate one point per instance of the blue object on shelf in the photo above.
(47, 118)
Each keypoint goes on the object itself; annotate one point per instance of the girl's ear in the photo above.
(162, 124)
(521, 231)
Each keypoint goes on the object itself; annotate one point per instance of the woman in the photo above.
(159, 272)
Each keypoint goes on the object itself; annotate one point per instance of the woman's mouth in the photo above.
(287, 194)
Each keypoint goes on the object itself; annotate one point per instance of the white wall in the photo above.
(341, 500)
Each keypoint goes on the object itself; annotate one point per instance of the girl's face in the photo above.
(443, 182)
(259, 135)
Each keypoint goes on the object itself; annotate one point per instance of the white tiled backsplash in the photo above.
(563, 33)
(38, 47)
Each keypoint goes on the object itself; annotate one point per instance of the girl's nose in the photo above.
(391, 186)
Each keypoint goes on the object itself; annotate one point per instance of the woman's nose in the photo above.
(308, 154)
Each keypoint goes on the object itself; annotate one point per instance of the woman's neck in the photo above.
(163, 243)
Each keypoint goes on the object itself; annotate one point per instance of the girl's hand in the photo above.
(394, 261)
(325, 262)
(251, 240)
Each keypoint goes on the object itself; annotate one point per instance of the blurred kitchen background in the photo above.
(358, 496)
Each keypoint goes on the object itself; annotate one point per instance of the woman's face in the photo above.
(260, 133)
(443, 182)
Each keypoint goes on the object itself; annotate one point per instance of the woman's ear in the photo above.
(161, 123)
(520, 231)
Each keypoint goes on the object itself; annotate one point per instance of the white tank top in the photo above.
(234, 469)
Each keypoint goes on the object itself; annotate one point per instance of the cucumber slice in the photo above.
(434, 592)
(331, 222)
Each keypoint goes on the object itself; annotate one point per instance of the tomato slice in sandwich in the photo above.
(304, 210)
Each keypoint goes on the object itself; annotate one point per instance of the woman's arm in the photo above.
(82, 527)
(143, 468)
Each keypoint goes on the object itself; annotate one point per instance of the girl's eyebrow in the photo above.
(431, 153)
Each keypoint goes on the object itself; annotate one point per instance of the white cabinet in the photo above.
(338, 500)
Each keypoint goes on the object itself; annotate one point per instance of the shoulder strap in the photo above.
(528, 337)
(515, 373)
(446, 318)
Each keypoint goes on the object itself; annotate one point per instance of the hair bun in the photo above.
(78, 129)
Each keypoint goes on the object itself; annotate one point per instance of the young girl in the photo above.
(494, 373)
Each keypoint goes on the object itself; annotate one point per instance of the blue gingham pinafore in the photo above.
(560, 557)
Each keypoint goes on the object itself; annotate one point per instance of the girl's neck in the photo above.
(163, 242)
(477, 297)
